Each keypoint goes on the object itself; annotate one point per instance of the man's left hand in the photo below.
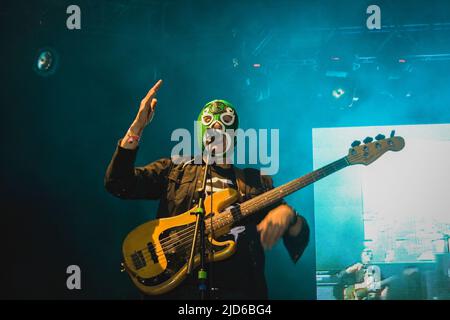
(274, 225)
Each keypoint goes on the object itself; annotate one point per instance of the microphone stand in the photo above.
(200, 230)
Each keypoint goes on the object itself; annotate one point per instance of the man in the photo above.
(361, 281)
(175, 185)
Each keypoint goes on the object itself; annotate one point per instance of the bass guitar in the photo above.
(156, 253)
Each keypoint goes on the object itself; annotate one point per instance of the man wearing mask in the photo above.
(175, 183)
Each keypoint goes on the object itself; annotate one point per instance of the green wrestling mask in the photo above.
(219, 115)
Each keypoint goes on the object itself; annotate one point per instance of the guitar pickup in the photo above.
(138, 260)
(151, 249)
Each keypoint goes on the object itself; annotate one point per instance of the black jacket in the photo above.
(240, 276)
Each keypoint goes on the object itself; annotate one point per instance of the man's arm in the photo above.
(347, 276)
(296, 239)
(122, 179)
(143, 118)
(125, 181)
(279, 222)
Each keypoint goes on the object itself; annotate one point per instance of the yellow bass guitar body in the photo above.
(156, 252)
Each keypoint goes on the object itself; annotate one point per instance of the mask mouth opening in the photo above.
(217, 142)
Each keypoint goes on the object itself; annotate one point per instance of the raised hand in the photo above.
(147, 106)
(143, 118)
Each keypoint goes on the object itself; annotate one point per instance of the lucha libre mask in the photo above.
(219, 115)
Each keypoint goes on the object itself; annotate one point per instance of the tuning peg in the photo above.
(392, 133)
(380, 137)
(368, 140)
(356, 143)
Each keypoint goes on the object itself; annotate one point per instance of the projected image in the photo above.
(397, 208)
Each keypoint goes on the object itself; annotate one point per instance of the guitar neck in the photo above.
(265, 199)
(272, 196)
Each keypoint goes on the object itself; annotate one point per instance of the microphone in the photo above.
(210, 140)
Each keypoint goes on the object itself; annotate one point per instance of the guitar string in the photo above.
(234, 210)
(182, 243)
(260, 200)
(187, 233)
(184, 240)
(265, 198)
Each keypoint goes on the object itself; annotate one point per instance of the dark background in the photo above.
(59, 131)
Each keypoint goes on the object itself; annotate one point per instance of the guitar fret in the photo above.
(273, 195)
(265, 199)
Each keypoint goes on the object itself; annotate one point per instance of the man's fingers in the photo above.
(274, 233)
(153, 103)
(267, 235)
(263, 236)
(153, 90)
(151, 111)
(279, 234)
(261, 225)
(261, 228)
(270, 237)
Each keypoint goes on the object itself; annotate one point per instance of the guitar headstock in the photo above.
(371, 150)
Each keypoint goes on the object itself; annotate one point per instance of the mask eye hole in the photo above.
(206, 119)
(228, 119)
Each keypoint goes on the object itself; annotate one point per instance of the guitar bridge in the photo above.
(138, 260)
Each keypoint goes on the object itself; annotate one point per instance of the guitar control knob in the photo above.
(356, 143)
(380, 137)
(368, 140)
(122, 267)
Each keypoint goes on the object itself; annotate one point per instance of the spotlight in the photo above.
(46, 62)
(337, 93)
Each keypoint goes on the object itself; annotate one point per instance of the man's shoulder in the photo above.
(175, 160)
(183, 162)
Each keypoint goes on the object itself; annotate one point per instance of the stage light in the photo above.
(46, 62)
(402, 60)
(336, 74)
(337, 68)
(256, 65)
(337, 93)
